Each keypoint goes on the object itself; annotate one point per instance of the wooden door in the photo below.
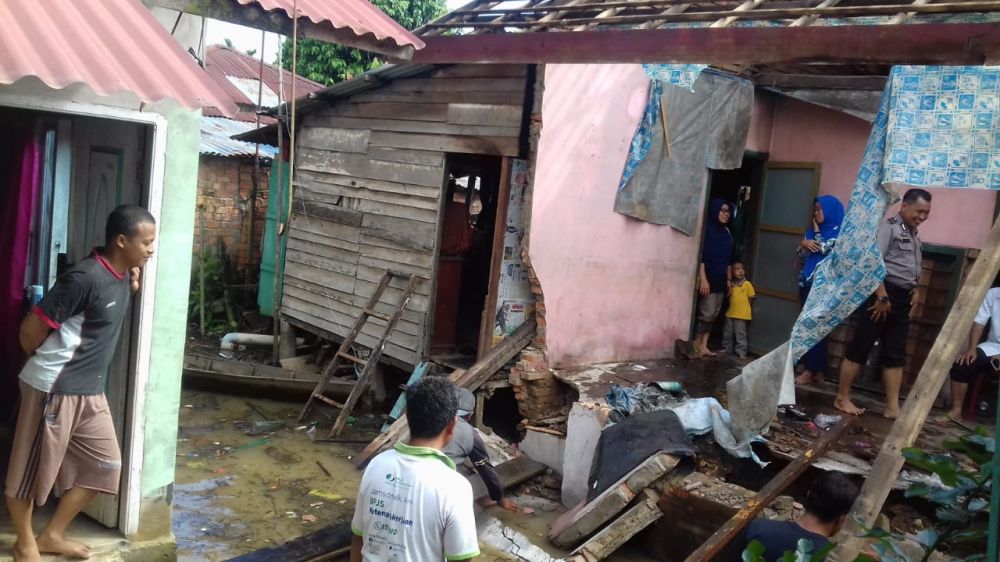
(785, 210)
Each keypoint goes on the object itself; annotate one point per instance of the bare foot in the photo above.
(890, 412)
(805, 378)
(61, 545)
(845, 405)
(26, 552)
(709, 353)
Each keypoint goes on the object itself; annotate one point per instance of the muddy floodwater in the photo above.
(249, 477)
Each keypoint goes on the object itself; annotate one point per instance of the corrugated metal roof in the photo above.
(112, 46)
(223, 63)
(370, 80)
(360, 16)
(215, 139)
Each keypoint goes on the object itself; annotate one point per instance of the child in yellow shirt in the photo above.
(738, 315)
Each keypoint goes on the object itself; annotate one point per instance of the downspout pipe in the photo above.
(232, 339)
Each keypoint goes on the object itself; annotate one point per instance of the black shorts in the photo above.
(968, 373)
(890, 332)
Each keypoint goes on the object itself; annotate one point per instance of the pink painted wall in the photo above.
(615, 288)
(803, 132)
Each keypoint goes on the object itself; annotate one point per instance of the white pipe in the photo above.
(231, 339)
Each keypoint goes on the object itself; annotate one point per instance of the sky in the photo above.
(246, 38)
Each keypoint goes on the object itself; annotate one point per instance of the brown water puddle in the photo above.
(244, 482)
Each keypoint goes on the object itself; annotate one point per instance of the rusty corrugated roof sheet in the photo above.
(216, 141)
(360, 16)
(112, 46)
(221, 63)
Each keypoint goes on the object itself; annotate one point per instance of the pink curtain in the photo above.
(19, 157)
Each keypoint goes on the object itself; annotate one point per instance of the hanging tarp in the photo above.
(684, 132)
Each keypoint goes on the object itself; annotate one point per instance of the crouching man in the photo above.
(65, 437)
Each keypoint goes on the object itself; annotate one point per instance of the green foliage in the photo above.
(328, 63)
(216, 317)
(962, 505)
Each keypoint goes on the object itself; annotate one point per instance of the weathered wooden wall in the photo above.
(369, 179)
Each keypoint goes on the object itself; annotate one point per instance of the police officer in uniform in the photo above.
(889, 310)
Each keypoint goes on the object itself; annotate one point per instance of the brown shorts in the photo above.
(62, 441)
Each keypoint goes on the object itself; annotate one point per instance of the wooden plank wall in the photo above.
(369, 176)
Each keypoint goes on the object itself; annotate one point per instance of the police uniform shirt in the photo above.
(901, 252)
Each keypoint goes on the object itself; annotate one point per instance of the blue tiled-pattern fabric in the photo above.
(683, 75)
(936, 127)
(944, 124)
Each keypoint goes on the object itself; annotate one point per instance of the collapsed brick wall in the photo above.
(540, 395)
(225, 188)
(935, 300)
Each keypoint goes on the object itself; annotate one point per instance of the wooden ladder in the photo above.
(343, 353)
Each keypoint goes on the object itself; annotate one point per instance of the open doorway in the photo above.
(469, 217)
(60, 176)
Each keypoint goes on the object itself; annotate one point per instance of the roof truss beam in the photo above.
(956, 44)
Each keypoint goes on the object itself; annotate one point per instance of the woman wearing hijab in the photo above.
(714, 273)
(828, 215)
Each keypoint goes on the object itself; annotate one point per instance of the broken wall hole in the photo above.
(501, 414)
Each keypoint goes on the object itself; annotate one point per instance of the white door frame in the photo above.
(134, 439)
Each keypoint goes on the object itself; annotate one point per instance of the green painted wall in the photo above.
(173, 277)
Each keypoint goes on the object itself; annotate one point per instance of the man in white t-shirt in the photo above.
(979, 358)
(413, 506)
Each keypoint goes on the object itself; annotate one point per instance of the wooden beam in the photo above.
(819, 82)
(278, 21)
(924, 391)
(711, 548)
(951, 44)
(947, 8)
(472, 378)
(641, 515)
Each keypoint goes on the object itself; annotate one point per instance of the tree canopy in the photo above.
(328, 63)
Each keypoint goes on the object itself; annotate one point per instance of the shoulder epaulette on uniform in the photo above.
(893, 219)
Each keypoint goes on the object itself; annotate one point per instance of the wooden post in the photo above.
(711, 548)
(919, 402)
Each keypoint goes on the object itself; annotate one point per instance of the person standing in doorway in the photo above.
(412, 504)
(714, 272)
(65, 437)
(888, 312)
(739, 313)
(828, 215)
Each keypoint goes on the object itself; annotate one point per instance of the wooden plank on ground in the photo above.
(711, 548)
(511, 473)
(574, 526)
(922, 395)
(641, 515)
(328, 543)
(472, 378)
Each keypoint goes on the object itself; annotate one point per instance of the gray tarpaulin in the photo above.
(707, 128)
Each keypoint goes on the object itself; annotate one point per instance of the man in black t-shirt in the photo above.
(827, 505)
(65, 437)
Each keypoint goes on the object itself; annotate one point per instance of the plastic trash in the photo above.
(826, 421)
